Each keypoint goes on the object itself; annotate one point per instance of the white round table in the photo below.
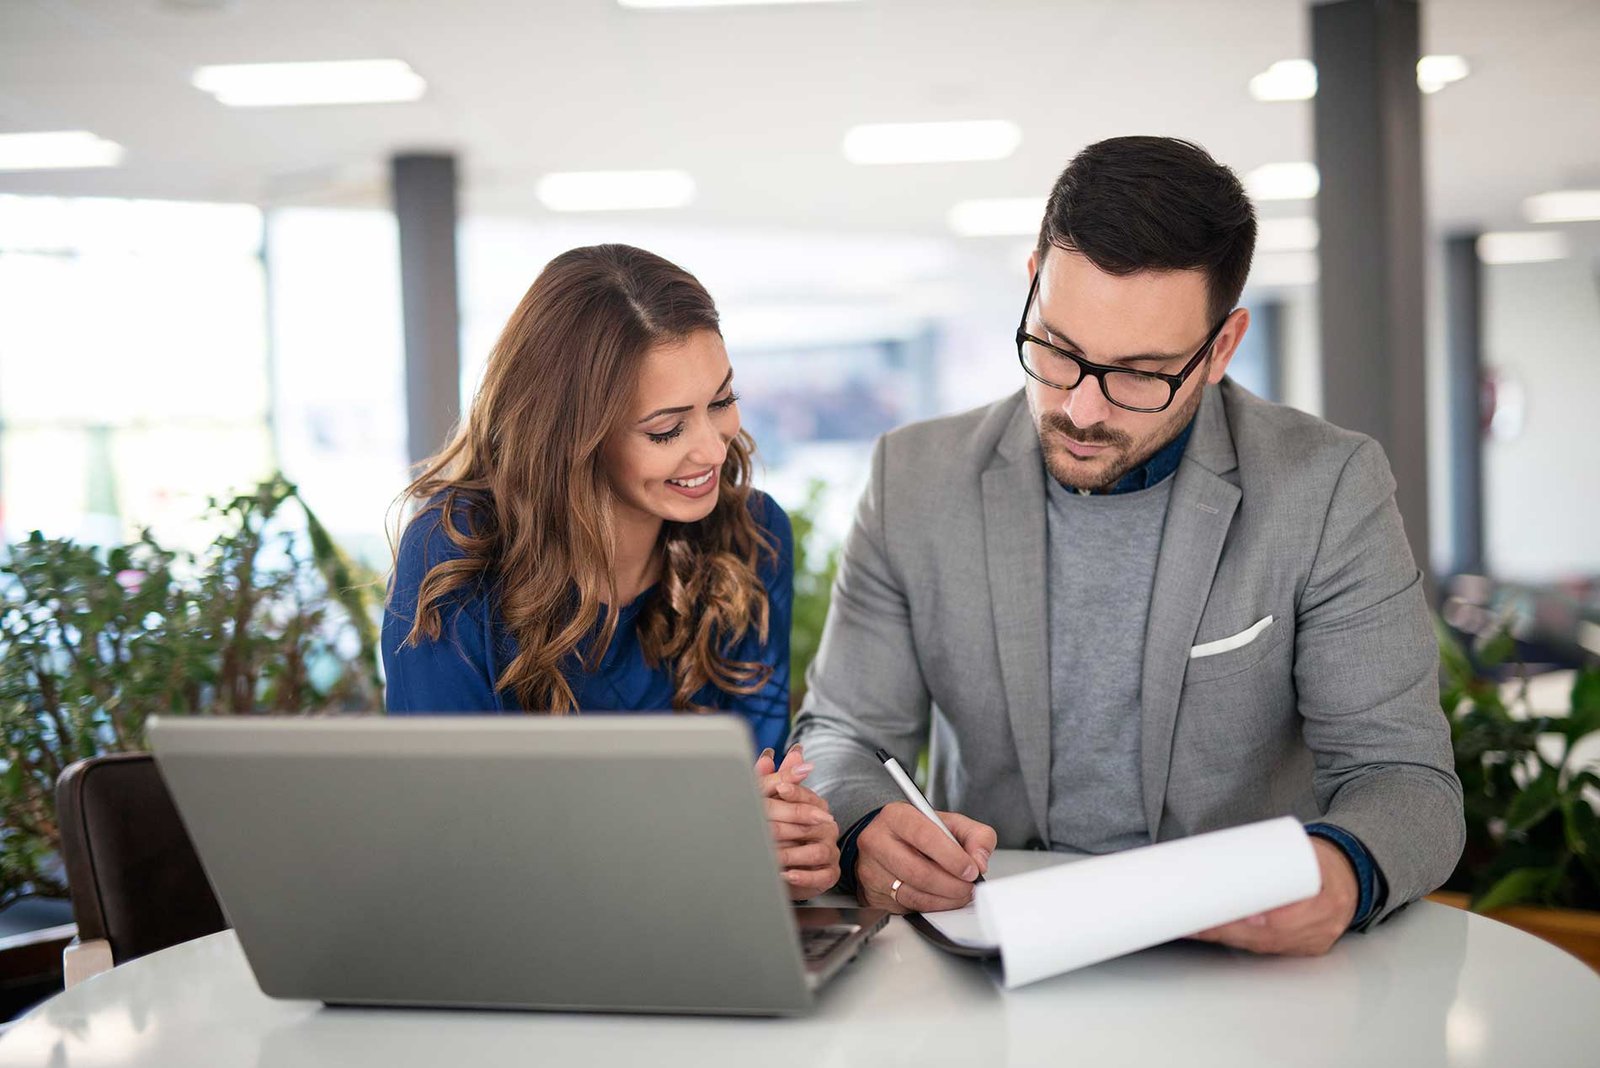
(1434, 986)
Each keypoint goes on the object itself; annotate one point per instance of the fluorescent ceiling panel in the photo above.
(615, 190)
(1287, 79)
(660, 5)
(1563, 205)
(356, 81)
(931, 142)
(1296, 79)
(1283, 181)
(1298, 234)
(1522, 246)
(57, 150)
(1284, 269)
(149, 227)
(997, 216)
(1436, 72)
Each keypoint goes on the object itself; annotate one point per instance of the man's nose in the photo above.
(1086, 402)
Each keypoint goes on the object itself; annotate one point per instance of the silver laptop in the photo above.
(613, 863)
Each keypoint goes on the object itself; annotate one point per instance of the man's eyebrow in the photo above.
(659, 412)
(1117, 359)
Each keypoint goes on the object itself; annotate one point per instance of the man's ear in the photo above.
(1227, 344)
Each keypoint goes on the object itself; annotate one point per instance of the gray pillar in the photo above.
(270, 330)
(1369, 150)
(1464, 383)
(425, 208)
(1273, 333)
(1258, 361)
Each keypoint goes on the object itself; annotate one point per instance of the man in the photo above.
(1132, 602)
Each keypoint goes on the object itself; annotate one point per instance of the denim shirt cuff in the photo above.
(847, 852)
(1369, 880)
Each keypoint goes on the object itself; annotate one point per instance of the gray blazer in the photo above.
(938, 635)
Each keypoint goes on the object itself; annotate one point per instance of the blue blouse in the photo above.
(459, 672)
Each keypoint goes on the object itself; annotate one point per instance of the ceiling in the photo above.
(754, 101)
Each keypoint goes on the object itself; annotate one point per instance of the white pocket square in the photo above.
(1230, 643)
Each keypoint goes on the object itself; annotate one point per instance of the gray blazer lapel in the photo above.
(1198, 517)
(1014, 535)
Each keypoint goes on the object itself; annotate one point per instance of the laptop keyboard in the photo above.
(817, 942)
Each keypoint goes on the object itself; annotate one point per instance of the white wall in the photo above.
(1542, 488)
(1302, 350)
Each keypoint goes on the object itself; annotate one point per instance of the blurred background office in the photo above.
(242, 237)
(239, 236)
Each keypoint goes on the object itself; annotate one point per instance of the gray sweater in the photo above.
(1102, 552)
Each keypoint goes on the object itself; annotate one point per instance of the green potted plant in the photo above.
(814, 571)
(1533, 836)
(272, 617)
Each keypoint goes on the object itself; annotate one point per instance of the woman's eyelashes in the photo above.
(716, 406)
(666, 435)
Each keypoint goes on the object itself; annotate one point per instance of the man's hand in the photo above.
(1306, 928)
(935, 874)
(806, 834)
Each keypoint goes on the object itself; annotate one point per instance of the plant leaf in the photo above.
(1521, 885)
(1579, 724)
(1589, 829)
(1536, 801)
(1452, 656)
(355, 598)
(1586, 691)
(1582, 825)
(1498, 649)
(1584, 718)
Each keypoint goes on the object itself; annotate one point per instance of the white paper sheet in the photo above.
(962, 926)
(1050, 921)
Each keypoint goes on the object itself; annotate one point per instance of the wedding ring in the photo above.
(894, 891)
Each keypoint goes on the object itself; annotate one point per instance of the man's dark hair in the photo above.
(1134, 204)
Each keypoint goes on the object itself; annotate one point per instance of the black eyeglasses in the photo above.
(1137, 391)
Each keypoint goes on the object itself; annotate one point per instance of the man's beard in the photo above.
(1130, 454)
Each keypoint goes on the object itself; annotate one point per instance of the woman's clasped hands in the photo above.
(805, 832)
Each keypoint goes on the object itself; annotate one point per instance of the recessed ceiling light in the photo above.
(57, 150)
(1283, 181)
(1298, 234)
(356, 81)
(1522, 246)
(997, 216)
(1564, 205)
(1284, 269)
(164, 228)
(1436, 72)
(1296, 79)
(615, 190)
(1287, 79)
(931, 142)
(661, 4)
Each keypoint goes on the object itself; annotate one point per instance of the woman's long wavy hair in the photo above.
(522, 490)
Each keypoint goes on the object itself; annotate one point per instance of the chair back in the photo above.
(135, 878)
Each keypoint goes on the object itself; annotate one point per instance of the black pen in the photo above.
(918, 802)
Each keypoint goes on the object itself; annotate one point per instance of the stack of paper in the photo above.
(1053, 920)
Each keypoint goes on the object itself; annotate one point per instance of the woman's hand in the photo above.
(807, 836)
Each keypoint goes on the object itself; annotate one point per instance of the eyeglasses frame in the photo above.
(1099, 371)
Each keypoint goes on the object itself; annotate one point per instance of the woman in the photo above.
(589, 539)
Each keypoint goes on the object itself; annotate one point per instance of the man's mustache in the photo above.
(1095, 435)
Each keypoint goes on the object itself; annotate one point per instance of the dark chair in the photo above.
(136, 882)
